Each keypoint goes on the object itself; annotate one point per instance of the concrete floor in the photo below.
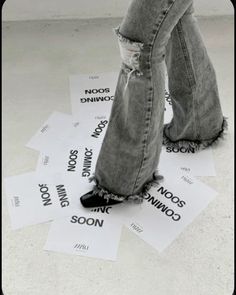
(38, 58)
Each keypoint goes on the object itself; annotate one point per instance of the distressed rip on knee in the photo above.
(130, 52)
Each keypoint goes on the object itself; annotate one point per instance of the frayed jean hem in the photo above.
(136, 198)
(197, 145)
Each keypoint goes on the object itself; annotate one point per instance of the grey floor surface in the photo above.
(38, 58)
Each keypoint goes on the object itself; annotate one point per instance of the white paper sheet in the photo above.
(60, 130)
(53, 134)
(169, 208)
(34, 198)
(83, 235)
(91, 131)
(92, 94)
(87, 234)
(73, 161)
(198, 163)
(69, 146)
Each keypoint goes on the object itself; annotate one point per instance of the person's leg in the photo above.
(130, 151)
(197, 116)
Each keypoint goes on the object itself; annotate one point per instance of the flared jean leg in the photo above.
(128, 159)
(198, 121)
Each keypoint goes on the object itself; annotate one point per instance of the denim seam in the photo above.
(149, 112)
(190, 76)
(190, 72)
(125, 68)
(197, 144)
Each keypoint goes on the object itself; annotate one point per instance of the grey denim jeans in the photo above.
(154, 34)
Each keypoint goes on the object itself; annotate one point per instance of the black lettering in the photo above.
(95, 134)
(181, 203)
(175, 198)
(94, 91)
(108, 208)
(191, 149)
(147, 196)
(81, 220)
(71, 168)
(72, 160)
(102, 210)
(99, 129)
(85, 173)
(47, 202)
(87, 162)
(161, 190)
(175, 150)
(88, 91)
(43, 188)
(62, 195)
(100, 98)
(162, 206)
(168, 193)
(88, 152)
(168, 149)
(171, 212)
(45, 195)
(74, 219)
(96, 99)
(73, 157)
(176, 219)
(153, 201)
(101, 125)
(73, 152)
(183, 149)
(90, 221)
(65, 203)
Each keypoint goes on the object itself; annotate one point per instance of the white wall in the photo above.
(69, 9)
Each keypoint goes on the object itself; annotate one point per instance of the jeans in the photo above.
(154, 35)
